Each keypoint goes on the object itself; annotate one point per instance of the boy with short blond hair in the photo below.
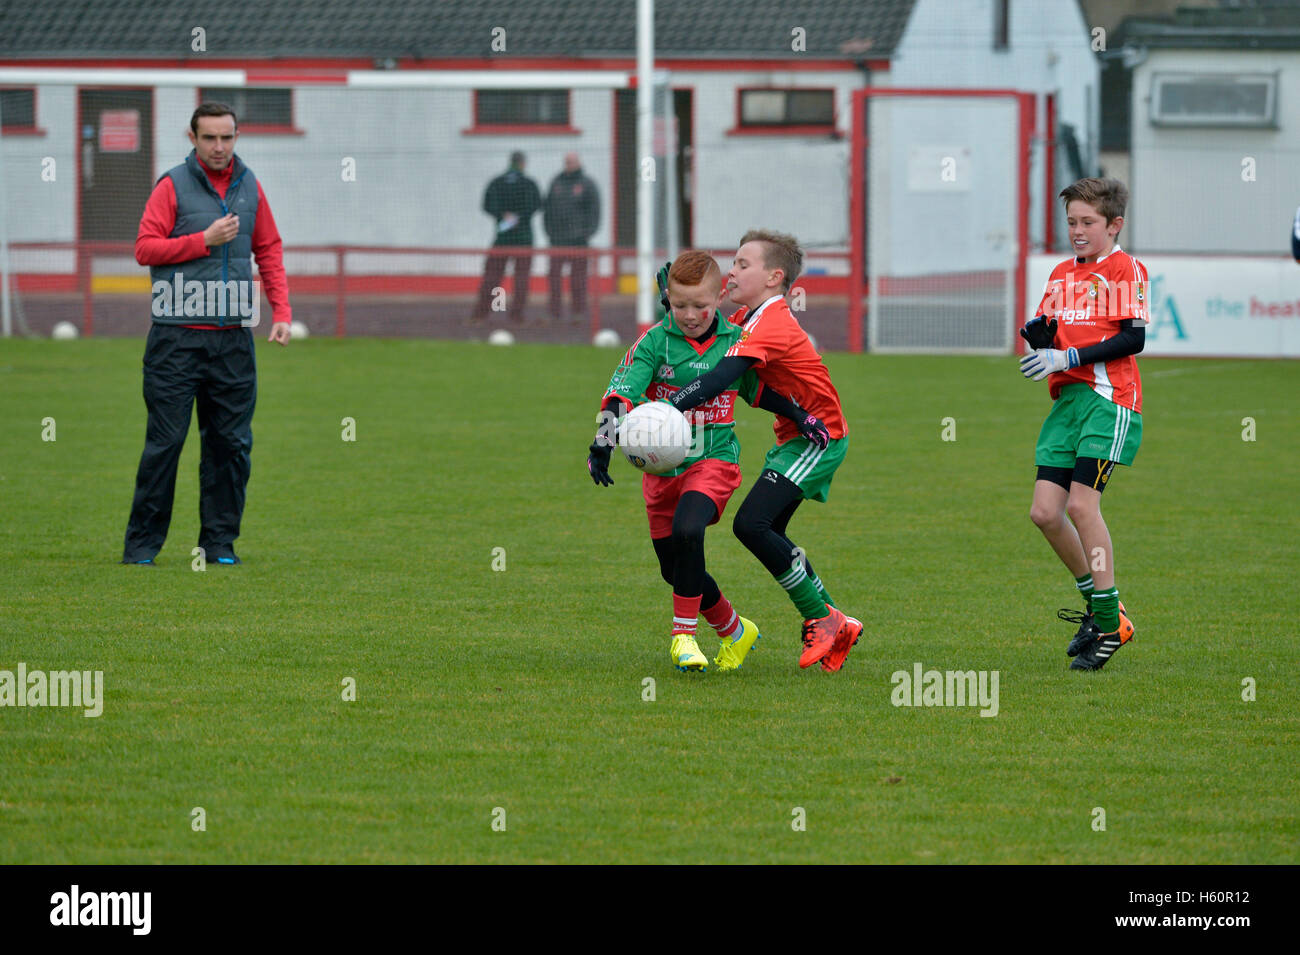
(1089, 327)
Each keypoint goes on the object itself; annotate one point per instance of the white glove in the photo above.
(1041, 362)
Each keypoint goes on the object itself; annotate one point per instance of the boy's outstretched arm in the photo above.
(711, 383)
(809, 425)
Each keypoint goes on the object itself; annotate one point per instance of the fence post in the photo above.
(85, 268)
(340, 307)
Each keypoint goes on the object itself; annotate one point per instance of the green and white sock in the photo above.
(821, 590)
(806, 599)
(1105, 608)
(1086, 589)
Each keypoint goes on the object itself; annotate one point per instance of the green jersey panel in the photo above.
(663, 360)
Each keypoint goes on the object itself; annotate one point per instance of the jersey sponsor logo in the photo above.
(1076, 316)
(717, 410)
(702, 365)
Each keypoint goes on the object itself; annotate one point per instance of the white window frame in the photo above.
(1269, 120)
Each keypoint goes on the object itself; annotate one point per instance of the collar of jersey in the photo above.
(759, 311)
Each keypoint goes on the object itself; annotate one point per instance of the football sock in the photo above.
(723, 618)
(1105, 608)
(1086, 589)
(802, 592)
(686, 614)
(821, 589)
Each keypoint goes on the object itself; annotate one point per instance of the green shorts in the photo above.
(808, 466)
(1083, 424)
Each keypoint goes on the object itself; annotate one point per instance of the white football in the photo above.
(64, 331)
(501, 337)
(606, 338)
(655, 437)
(297, 329)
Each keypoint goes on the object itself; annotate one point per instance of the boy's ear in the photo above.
(1118, 223)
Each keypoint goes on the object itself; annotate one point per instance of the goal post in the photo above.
(939, 226)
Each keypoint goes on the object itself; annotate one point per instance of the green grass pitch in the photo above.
(500, 616)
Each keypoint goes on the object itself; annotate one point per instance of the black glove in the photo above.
(598, 463)
(812, 428)
(661, 279)
(1040, 333)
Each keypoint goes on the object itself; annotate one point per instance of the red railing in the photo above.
(606, 266)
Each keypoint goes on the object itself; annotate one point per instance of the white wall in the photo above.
(1188, 190)
(794, 183)
(420, 177)
(949, 43)
(39, 210)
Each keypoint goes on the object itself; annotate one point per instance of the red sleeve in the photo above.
(269, 253)
(154, 244)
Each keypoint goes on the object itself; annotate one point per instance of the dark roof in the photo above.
(1238, 25)
(429, 29)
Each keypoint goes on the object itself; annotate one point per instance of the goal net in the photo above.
(943, 199)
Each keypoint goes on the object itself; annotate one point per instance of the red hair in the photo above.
(692, 267)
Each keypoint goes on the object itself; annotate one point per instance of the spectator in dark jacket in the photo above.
(571, 217)
(512, 199)
(1295, 236)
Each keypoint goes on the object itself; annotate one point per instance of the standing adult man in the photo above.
(571, 216)
(511, 199)
(1295, 236)
(203, 221)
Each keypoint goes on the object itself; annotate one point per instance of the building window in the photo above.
(1224, 99)
(18, 108)
(255, 109)
(787, 108)
(1001, 24)
(521, 108)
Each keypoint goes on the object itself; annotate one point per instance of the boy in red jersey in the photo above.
(1090, 325)
(777, 348)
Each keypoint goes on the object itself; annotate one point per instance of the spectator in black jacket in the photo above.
(571, 217)
(1295, 236)
(512, 199)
